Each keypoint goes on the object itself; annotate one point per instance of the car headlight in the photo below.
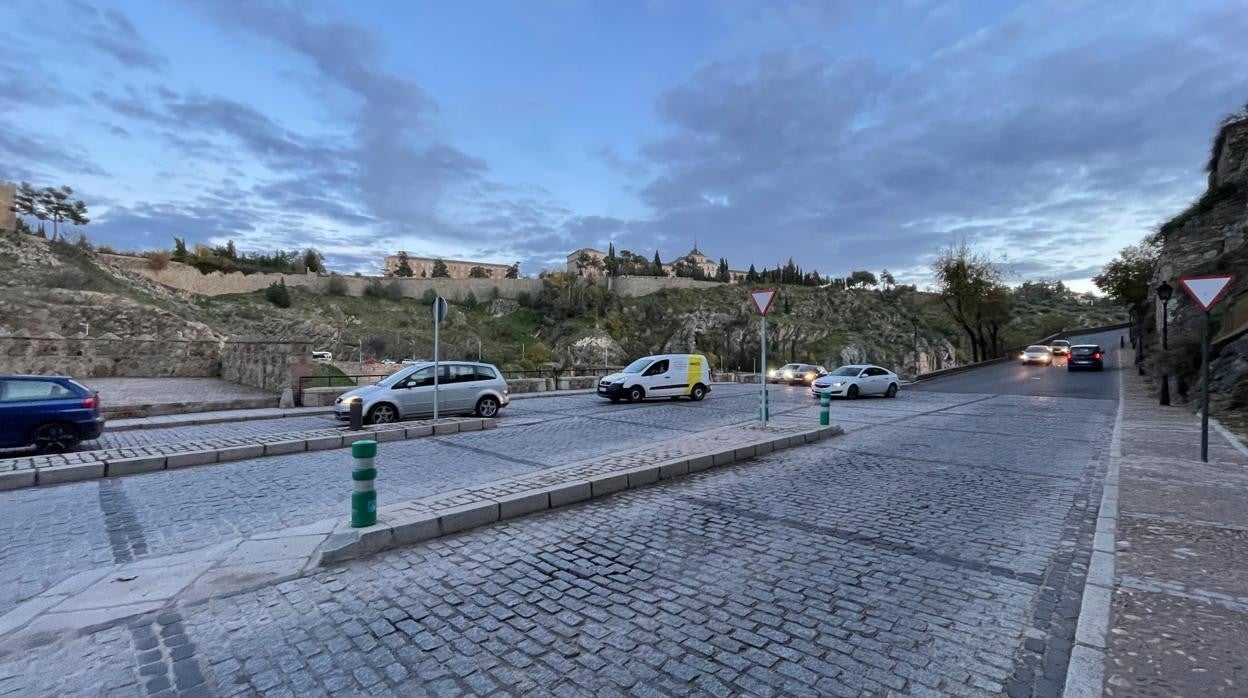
(838, 384)
(617, 381)
(350, 399)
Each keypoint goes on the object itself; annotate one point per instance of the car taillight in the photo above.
(1097, 355)
(91, 402)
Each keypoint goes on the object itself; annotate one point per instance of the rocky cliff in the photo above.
(1210, 237)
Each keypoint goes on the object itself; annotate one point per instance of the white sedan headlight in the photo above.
(838, 384)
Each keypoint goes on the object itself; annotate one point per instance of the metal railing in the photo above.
(558, 373)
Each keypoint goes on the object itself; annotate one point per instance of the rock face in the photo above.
(1210, 237)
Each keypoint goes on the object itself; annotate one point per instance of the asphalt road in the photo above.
(1013, 378)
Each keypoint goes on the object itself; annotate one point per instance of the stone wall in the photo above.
(188, 278)
(8, 219)
(271, 366)
(92, 357)
(635, 286)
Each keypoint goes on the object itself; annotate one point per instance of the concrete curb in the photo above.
(1085, 676)
(191, 420)
(1227, 434)
(134, 465)
(404, 527)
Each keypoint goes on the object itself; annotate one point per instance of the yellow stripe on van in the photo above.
(695, 373)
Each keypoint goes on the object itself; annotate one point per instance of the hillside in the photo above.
(59, 289)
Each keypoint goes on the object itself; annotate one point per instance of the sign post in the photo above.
(763, 299)
(1205, 290)
(439, 314)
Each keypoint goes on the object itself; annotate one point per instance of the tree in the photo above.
(887, 279)
(157, 260)
(179, 249)
(970, 288)
(337, 286)
(1126, 279)
(231, 252)
(313, 261)
(59, 208)
(611, 263)
(439, 270)
(751, 276)
(403, 268)
(861, 278)
(278, 294)
(658, 265)
(27, 201)
(480, 272)
(394, 291)
(513, 271)
(721, 274)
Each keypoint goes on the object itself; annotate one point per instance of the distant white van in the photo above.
(322, 357)
(666, 375)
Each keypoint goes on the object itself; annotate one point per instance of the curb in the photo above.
(402, 527)
(1231, 438)
(1085, 675)
(133, 465)
(140, 423)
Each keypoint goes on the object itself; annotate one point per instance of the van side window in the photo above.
(463, 374)
(485, 373)
(657, 368)
(420, 378)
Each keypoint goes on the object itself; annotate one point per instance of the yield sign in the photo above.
(763, 299)
(1206, 290)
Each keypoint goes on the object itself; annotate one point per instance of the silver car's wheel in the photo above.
(383, 413)
(487, 407)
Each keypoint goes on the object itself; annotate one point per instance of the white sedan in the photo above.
(853, 381)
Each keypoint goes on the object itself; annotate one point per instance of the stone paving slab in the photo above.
(97, 598)
(29, 471)
(216, 417)
(556, 487)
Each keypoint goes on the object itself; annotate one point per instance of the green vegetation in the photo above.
(1126, 278)
(278, 294)
(1227, 193)
(329, 376)
(49, 204)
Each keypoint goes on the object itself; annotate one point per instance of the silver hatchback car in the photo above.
(464, 387)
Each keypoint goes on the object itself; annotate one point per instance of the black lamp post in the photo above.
(1164, 293)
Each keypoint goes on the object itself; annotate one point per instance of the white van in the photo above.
(666, 375)
(322, 357)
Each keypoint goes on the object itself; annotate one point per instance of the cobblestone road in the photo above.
(939, 548)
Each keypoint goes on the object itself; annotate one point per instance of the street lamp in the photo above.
(1164, 293)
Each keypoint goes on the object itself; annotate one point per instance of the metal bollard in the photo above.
(364, 497)
(825, 401)
(357, 415)
(1122, 342)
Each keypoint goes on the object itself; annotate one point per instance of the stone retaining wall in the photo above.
(271, 366)
(92, 357)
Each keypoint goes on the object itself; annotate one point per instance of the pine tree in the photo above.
(403, 268)
(658, 265)
(439, 270)
(721, 274)
(611, 263)
(179, 249)
(751, 276)
(513, 271)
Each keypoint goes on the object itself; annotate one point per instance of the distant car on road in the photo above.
(857, 380)
(322, 357)
(51, 413)
(464, 387)
(664, 375)
(797, 374)
(1037, 354)
(388, 362)
(1059, 347)
(1083, 356)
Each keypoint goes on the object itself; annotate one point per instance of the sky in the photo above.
(846, 135)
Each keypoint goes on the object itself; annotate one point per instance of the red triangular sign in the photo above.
(1206, 290)
(763, 299)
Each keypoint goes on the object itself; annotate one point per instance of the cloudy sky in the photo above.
(849, 135)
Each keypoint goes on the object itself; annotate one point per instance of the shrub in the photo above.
(337, 286)
(394, 290)
(428, 297)
(278, 294)
(105, 249)
(157, 260)
(470, 300)
(68, 277)
(374, 289)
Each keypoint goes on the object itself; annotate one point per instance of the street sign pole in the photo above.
(762, 333)
(1205, 290)
(1204, 409)
(439, 314)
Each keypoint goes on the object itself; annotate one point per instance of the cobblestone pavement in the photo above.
(1179, 612)
(201, 432)
(943, 558)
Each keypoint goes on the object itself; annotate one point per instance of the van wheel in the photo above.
(55, 438)
(892, 391)
(636, 394)
(698, 392)
(383, 413)
(486, 407)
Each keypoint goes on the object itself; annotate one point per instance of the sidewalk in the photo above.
(1178, 621)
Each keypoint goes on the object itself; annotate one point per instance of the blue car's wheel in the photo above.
(55, 438)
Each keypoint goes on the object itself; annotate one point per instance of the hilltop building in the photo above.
(422, 267)
(8, 219)
(595, 265)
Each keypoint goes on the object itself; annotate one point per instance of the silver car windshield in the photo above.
(393, 378)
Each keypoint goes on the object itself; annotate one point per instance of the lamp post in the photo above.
(1164, 293)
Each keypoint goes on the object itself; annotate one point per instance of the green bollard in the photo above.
(364, 498)
(825, 401)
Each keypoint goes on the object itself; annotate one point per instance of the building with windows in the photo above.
(422, 267)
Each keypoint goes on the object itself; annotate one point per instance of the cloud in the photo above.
(111, 33)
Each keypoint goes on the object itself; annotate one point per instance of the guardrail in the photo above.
(558, 373)
(1010, 354)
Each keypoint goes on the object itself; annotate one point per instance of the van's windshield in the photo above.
(637, 366)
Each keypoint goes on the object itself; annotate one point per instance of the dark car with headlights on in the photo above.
(51, 413)
(1086, 356)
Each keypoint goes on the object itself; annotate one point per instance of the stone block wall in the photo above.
(8, 219)
(271, 366)
(91, 357)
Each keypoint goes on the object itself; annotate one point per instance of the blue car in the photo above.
(51, 413)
